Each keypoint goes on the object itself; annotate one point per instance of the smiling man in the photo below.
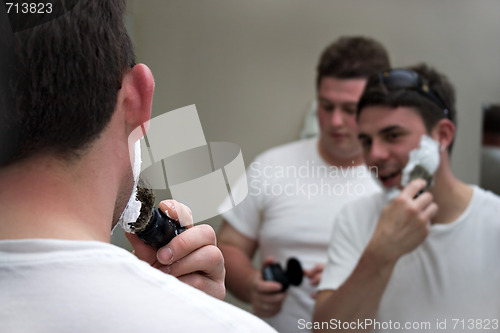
(425, 260)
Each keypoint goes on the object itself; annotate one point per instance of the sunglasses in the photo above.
(407, 79)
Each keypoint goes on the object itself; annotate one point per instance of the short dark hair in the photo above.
(352, 58)
(66, 77)
(376, 93)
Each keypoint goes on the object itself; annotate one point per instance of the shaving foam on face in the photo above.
(133, 208)
(425, 157)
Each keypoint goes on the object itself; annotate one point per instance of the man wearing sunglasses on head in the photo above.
(423, 255)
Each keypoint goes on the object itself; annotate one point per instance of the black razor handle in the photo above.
(160, 230)
(292, 276)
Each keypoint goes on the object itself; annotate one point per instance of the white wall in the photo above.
(249, 65)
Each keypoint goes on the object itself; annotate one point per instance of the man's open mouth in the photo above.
(390, 176)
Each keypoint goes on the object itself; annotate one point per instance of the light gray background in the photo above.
(249, 65)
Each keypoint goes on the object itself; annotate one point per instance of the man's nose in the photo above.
(337, 118)
(378, 151)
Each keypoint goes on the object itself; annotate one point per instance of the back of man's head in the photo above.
(420, 87)
(352, 58)
(66, 75)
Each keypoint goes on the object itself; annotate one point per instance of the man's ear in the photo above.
(136, 97)
(444, 133)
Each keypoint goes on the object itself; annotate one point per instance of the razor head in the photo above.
(420, 172)
(153, 226)
(147, 198)
(294, 272)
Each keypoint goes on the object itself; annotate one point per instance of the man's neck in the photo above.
(452, 197)
(351, 160)
(44, 198)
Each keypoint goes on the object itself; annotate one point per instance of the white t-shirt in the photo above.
(86, 286)
(453, 275)
(293, 196)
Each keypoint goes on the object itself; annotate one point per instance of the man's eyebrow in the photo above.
(384, 130)
(389, 129)
(326, 100)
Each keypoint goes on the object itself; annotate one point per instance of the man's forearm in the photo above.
(359, 296)
(240, 271)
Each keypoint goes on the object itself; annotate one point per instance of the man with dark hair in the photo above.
(74, 101)
(295, 189)
(91, 78)
(351, 57)
(423, 256)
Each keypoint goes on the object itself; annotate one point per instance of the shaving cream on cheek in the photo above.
(422, 163)
(426, 156)
(133, 208)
